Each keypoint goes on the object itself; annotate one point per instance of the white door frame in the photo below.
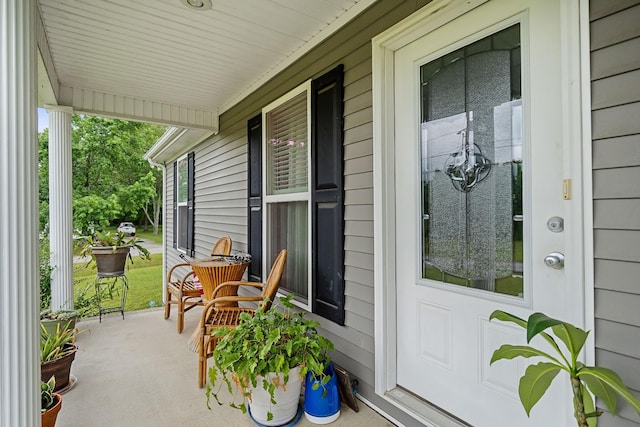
(576, 101)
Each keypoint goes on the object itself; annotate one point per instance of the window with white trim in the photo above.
(286, 176)
(184, 204)
(295, 197)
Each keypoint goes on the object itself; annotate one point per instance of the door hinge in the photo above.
(566, 189)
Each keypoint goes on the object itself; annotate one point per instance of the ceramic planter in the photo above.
(49, 417)
(287, 398)
(51, 325)
(60, 367)
(110, 262)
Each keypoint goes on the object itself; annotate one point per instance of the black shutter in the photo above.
(175, 205)
(254, 213)
(191, 250)
(327, 199)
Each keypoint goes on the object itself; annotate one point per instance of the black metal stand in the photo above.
(106, 287)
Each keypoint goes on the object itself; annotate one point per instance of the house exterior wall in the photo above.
(615, 96)
(221, 182)
(221, 185)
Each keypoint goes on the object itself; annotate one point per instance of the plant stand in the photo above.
(107, 285)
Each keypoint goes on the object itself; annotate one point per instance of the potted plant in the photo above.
(586, 381)
(51, 319)
(51, 403)
(57, 352)
(267, 356)
(110, 251)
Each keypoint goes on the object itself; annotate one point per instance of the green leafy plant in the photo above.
(45, 273)
(46, 394)
(94, 211)
(586, 381)
(86, 302)
(56, 345)
(270, 341)
(113, 240)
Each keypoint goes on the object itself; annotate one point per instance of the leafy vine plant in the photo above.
(586, 381)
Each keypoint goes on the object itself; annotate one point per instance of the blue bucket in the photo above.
(319, 409)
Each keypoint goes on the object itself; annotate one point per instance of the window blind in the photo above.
(287, 147)
(182, 181)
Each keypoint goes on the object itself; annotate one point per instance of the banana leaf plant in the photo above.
(586, 381)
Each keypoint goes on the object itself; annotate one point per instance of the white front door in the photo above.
(481, 141)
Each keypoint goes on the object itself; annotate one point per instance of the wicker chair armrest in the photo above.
(186, 276)
(182, 264)
(234, 283)
(236, 298)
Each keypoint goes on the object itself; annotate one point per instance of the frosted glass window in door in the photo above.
(471, 154)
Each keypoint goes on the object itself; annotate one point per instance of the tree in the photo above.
(143, 195)
(43, 177)
(93, 212)
(108, 153)
(107, 159)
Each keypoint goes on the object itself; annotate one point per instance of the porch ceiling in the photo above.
(159, 61)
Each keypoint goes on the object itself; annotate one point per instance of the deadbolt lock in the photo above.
(555, 224)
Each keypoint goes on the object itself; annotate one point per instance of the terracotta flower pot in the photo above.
(49, 417)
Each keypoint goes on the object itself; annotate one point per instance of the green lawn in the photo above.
(148, 235)
(144, 278)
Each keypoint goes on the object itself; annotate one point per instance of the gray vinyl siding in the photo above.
(221, 195)
(221, 181)
(615, 94)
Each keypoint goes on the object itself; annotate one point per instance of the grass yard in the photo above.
(148, 235)
(145, 284)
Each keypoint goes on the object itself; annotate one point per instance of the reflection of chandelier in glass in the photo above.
(467, 167)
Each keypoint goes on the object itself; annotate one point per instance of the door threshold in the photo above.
(423, 411)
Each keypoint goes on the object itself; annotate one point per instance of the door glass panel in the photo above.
(471, 153)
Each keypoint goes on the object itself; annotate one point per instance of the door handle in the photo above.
(555, 260)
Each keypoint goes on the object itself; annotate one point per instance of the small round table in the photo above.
(216, 270)
(212, 272)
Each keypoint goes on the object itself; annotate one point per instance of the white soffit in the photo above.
(159, 61)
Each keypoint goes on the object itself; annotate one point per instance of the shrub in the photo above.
(45, 273)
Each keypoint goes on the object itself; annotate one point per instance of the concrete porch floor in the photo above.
(139, 372)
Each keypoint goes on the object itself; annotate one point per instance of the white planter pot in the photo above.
(287, 400)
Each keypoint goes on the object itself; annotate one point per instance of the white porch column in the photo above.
(60, 207)
(19, 274)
